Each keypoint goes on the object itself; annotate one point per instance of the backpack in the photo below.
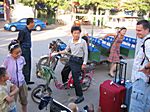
(143, 46)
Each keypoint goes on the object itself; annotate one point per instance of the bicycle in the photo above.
(46, 72)
(47, 60)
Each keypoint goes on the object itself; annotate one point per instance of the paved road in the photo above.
(40, 47)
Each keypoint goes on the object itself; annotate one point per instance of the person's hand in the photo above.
(10, 99)
(145, 70)
(83, 66)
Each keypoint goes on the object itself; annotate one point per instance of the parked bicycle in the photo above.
(45, 70)
(47, 60)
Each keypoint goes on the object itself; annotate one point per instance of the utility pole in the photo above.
(34, 9)
(92, 26)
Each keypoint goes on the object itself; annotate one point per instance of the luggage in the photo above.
(128, 86)
(126, 83)
(112, 95)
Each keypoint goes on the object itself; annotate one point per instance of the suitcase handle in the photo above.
(122, 65)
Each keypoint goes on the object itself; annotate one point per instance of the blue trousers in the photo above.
(140, 97)
(13, 110)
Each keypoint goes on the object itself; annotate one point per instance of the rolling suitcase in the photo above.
(126, 83)
(112, 95)
(128, 86)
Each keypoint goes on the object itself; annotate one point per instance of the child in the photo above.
(7, 93)
(14, 63)
(73, 107)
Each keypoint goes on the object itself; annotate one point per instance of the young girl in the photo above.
(7, 93)
(14, 63)
(114, 56)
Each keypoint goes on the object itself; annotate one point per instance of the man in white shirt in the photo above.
(140, 97)
(77, 61)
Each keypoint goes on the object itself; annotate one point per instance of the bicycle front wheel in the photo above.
(39, 92)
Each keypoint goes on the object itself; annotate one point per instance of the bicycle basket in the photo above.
(45, 73)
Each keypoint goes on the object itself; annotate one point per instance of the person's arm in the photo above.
(66, 50)
(146, 69)
(62, 52)
(14, 90)
(5, 97)
(85, 48)
(9, 99)
(5, 63)
(147, 66)
(21, 36)
(110, 34)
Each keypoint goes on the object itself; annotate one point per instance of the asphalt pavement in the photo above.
(40, 42)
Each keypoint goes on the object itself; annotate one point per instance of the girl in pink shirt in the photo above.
(14, 63)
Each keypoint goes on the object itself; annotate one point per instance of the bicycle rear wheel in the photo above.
(45, 61)
(86, 83)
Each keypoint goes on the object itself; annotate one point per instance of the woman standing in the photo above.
(115, 49)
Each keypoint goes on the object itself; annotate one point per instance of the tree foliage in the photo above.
(102, 4)
(141, 6)
(134, 5)
(45, 8)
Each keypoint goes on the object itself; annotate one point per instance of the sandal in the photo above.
(110, 75)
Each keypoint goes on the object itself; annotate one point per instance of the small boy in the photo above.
(7, 93)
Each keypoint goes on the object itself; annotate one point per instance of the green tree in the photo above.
(99, 4)
(142, 6)
(45, 8)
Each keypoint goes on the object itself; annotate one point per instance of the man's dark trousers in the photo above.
(65, 73)
(26, 53)
(76, 73)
